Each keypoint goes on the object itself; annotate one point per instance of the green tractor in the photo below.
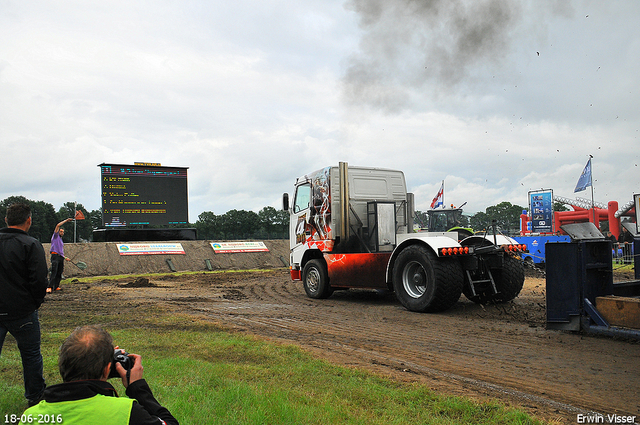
(449, 220)
(497, 279)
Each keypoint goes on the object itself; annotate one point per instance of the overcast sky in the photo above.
(496, 97)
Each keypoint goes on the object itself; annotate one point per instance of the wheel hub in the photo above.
(414, 279)
(313, 280)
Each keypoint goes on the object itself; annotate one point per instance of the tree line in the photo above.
(268, 223)
(44, 219)
(505, 216)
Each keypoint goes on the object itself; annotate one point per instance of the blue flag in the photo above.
(585, 178)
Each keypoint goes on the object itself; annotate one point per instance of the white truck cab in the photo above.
(352, 227)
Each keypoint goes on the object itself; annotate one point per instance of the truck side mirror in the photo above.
(285, 201)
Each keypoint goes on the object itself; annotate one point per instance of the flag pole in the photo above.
(444, 204)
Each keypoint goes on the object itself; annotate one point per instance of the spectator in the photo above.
(57, 256)
(626, 242)
(614, 244)
(85, 396)
(23, 282)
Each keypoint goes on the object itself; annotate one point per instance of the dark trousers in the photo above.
(26, 331)
(57, 267)
(626, 253)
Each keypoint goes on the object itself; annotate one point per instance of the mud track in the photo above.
(495, 351)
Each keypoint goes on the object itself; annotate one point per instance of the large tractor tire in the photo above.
(481, 297)
(509, 280)
(315, 280)
(425, 283)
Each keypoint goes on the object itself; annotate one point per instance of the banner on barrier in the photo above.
(232, 247)
(150, 248)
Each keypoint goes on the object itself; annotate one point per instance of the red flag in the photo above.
(439, 199)
(79, 215)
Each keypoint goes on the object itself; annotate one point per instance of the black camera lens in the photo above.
(120, 357)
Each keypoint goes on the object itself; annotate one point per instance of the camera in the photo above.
(123, 358)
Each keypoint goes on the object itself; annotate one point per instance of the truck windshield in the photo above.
(303, 198)
(442, 221)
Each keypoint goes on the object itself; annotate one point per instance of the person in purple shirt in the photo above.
(57, 257)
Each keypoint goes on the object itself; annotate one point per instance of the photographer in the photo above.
(85, 396)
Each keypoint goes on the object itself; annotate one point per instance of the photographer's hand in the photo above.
(134, 374)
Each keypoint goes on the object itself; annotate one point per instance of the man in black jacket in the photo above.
(626, 242)
(23, 282)
(85, 396)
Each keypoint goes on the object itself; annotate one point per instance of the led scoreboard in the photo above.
(143, 194)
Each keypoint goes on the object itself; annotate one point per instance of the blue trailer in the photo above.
(536, 246)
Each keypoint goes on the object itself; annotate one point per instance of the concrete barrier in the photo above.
(103, 259)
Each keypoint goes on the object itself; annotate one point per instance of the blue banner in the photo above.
(541, 207)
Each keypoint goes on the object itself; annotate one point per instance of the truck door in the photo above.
(300, 211)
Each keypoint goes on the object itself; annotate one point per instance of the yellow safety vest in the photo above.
(97, 410)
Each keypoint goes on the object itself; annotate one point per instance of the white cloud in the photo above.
(251, 95)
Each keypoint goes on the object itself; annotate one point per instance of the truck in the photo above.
(352, 227)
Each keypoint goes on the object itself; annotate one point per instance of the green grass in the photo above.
(206, 375)
(623, 268)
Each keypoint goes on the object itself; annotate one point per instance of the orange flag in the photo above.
(79, 215)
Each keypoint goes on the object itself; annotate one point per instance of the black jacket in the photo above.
(147, 410)
(625, 237)
(23, 273)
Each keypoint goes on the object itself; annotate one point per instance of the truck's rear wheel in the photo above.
(315, 279)
(509, 280)
(425, 283)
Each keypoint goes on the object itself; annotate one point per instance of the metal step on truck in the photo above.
(352, 227)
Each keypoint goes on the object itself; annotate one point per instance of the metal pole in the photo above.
(343, 170)
(494, 223)
(593, 208)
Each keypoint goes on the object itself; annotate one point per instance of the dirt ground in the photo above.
(496, 351)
